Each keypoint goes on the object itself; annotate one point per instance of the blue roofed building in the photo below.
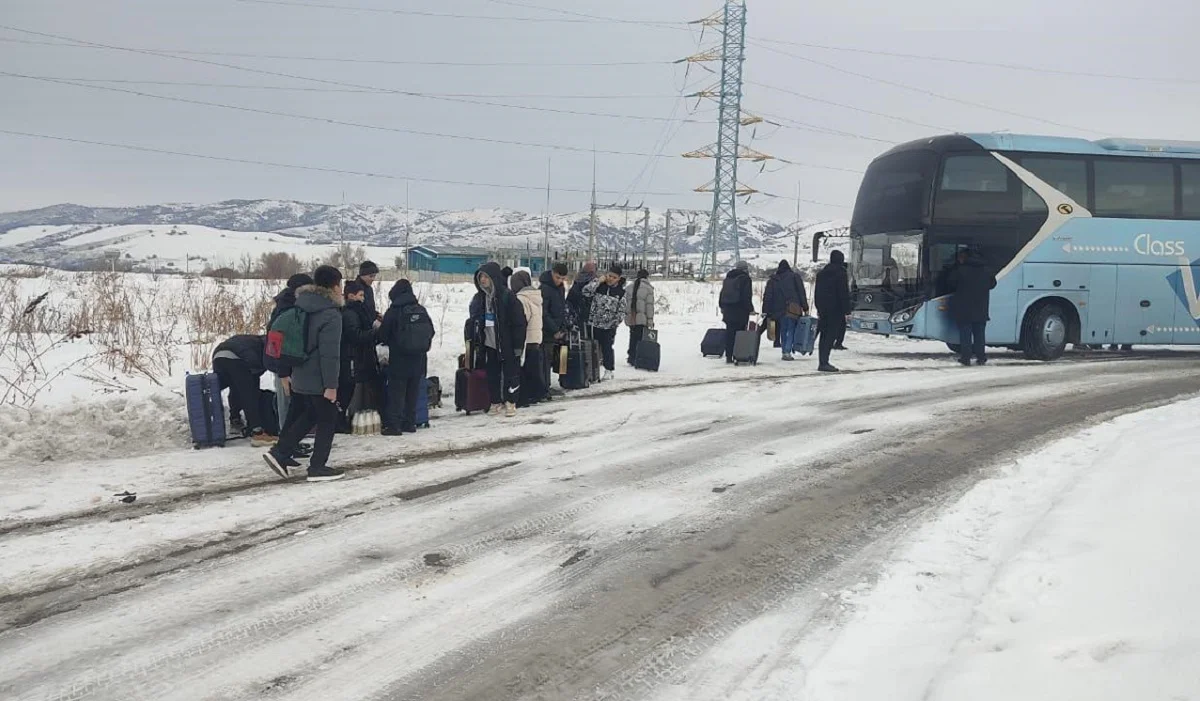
(454, 260)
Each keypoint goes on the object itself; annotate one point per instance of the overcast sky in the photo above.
(1152, 39)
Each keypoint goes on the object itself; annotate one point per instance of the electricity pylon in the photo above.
(727, 150)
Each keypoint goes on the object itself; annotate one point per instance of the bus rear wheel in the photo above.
(1044, 336)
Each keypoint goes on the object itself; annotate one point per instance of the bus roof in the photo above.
(1030, 143)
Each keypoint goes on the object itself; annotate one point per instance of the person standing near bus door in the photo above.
(832, 299)
(971, 284)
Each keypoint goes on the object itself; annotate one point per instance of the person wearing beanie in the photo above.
(607, 307)
(313, 383)
(408, 333)
(832, 299)
(359, 363)
(553, 287)
(284, 301)
(737, 304)
(641, 311)
(788, 303)
(533, 387)
(499, 324)
(367, 272)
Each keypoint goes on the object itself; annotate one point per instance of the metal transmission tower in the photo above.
(727, 150)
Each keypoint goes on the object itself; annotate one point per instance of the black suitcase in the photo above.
(576, 375)
(745, 347)
(713, 343)
(648, 353)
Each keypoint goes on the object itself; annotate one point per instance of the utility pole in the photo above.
(727, 151)
(591, 251)
(645, 236)
(407, 224)
(796, 247)
(546, 259)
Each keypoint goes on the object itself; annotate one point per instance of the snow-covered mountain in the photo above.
(67, 233)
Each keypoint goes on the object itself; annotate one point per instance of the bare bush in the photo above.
(346, 257)
(278, 266)
(213, 315)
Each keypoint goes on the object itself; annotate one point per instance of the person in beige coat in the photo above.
(641, 311)
(533, 387)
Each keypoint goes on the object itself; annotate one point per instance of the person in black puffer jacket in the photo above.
(832, 298)
(408, 331)
(498, 316)
(359, 363)
(553, 286)
(737, 304)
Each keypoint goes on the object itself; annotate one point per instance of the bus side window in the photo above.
(1067, 175)
(1191, 190)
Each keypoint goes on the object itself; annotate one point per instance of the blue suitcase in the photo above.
(206, 410)
(806, 335)
(422, 418)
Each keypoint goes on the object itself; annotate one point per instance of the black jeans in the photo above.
(242, 384)
(548, 364)
(504, 376)
(733, 324)
(971, 340)
(403, 389)
(828, 328)
(607, 338)
(311, 410)
(635, 337)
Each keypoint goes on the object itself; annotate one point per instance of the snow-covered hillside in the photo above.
(67, 235)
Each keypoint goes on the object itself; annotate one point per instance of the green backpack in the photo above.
(287, 339)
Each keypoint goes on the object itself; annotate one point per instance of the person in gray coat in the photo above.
(641, 312)
(313, 384)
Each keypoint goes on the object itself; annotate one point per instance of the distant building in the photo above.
(457, 260)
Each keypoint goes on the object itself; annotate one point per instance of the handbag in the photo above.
(772, 330)
(794, 310)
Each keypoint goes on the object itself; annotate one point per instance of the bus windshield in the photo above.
(887, 260)
(894, 195)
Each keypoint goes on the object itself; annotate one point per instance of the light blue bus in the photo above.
(1091, 240)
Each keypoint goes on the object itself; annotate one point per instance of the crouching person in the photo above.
(408, 332)
(238, 363)
(313, 383)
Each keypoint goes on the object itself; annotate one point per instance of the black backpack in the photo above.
(731, 291)
(414, 331)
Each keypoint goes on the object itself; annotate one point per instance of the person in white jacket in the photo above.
(533, 387)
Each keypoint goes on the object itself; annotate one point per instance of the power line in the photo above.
(287, 88)
(322, 81)
(375, 61)
(923, 91)
(787, 123)
(972, 62)
(450, 15)
(329, 120)
(823, 101)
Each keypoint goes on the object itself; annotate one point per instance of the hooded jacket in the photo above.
(607, 303)
(359, 360)
(737, 294)
(510, 315)
(785, 286)
(579, 304)
(248, 349)
(531, 304)
(641, 304)
(832, 292)
(321, 368)
(284, 301)
(972, 284)
(405, 364)
(554, 307)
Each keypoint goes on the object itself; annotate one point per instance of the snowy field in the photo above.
(1066, 575)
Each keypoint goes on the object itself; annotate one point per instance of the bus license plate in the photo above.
(868, 325)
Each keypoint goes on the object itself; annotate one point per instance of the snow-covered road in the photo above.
(598, 547)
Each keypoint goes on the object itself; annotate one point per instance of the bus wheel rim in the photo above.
(1054, 331)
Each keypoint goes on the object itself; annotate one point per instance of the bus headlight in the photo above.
(905, 315)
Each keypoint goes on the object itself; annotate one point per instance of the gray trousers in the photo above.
(282, 401)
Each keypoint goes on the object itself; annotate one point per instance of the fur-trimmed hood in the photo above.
(312, 298)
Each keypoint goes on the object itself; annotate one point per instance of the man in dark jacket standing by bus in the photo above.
(737, 304)
(832, 298)
(972, 284)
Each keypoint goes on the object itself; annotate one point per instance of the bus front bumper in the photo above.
(872, 322)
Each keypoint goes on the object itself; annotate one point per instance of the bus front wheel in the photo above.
(1045, 333)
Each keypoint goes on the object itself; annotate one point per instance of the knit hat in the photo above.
(367, 268)
(327, 276)
(299, 280)
(743, 266)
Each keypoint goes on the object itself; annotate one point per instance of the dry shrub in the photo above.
(218, 312)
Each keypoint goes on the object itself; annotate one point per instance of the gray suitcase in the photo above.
(745, 347)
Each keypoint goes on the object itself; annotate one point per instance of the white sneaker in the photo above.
(608, 375)
(510, 410)
(495, 410)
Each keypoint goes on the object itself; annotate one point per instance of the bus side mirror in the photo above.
(816, 247)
